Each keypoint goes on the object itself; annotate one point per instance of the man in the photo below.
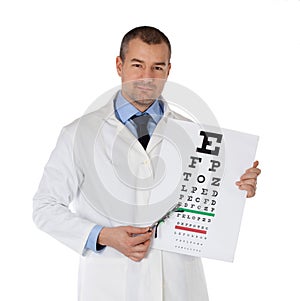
(117, 262)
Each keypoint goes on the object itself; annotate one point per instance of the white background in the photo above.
(241, 57)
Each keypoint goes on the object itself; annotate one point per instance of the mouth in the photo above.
(145, 88)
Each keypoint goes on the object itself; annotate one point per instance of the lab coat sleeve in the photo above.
(58, 187)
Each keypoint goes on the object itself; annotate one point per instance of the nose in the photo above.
(148, 74)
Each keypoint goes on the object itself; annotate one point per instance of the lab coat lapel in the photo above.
(158, 134)
(132, 159)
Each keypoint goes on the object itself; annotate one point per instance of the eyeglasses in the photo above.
(174, 208)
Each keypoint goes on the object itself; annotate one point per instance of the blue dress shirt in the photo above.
(124, 110)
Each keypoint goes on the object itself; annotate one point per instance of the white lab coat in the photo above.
(83, 169)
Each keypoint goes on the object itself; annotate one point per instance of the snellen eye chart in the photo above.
(207, 223)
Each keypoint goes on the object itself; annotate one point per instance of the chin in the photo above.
(144, 102)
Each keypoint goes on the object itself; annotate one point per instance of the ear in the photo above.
(119, 65)
(169, 68)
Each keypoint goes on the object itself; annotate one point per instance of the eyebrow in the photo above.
(140, 61)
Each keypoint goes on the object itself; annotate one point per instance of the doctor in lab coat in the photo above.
(100, 167)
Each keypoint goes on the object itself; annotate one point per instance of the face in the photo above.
(144, 71)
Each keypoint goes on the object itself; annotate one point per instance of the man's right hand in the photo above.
(133, 242)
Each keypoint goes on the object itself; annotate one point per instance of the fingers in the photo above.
(139, 251)
(249, 175)
(251, 189)
(248, 180)
(254, 169)
(132, 242)
(136, 230)
(137, 239)
(138, 246)
(255, 163)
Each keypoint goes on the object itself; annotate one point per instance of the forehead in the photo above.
(137, 49)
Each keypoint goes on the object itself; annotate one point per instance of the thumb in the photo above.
(137, 230)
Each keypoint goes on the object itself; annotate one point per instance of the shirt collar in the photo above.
(125, 110)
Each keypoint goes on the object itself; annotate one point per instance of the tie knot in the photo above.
(141, 120)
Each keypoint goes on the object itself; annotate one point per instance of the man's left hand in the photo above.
(248, 180)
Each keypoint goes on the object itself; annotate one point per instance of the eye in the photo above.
(137, 65)
(158, 68)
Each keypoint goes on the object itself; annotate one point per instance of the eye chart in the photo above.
(208, 220)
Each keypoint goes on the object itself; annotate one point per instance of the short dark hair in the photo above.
(148, 34)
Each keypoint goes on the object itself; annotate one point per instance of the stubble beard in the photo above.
(141, 95)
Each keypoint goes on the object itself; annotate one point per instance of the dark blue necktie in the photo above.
(141, 123)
